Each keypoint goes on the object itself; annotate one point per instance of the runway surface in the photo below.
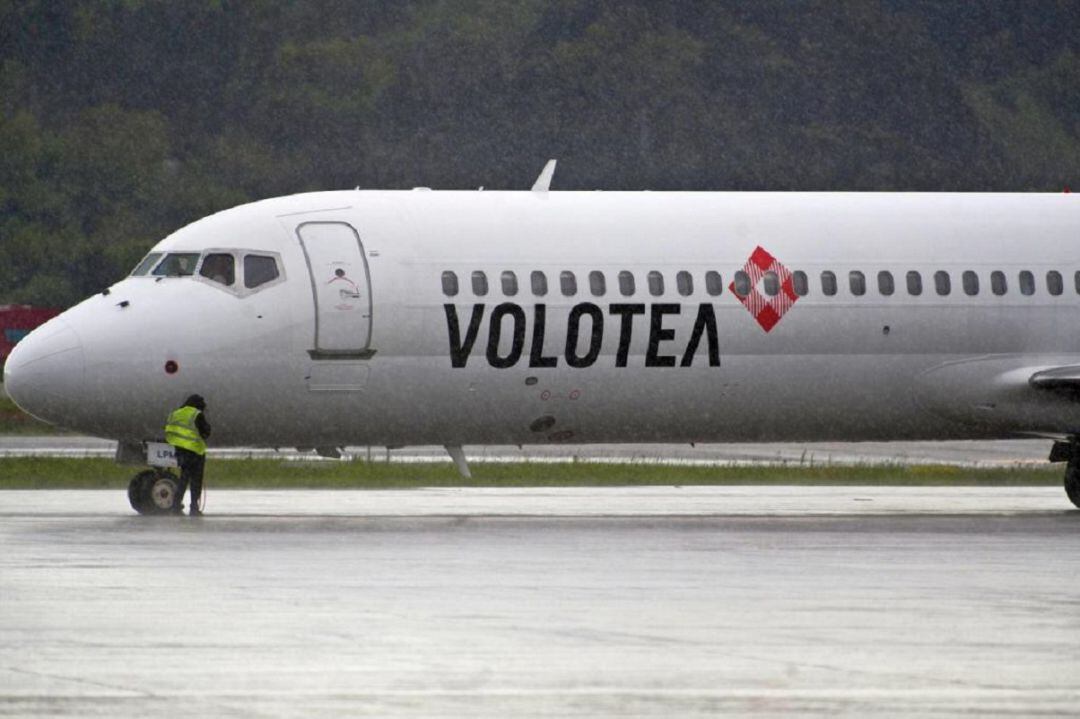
(967, 453)
(777, 601)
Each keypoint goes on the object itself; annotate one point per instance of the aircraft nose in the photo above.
(44, 373)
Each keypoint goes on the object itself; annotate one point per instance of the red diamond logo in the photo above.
(768, 311)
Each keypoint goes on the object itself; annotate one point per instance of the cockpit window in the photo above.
(144, 266)
(258, 270)
(177, 264)
(219, 267)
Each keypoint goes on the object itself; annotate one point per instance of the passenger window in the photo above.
(997, 283)
(568, 283)
(509, 283)
(885, 284)
(857, 282)
(770, 282)
(597, 284)
(449, 283)
(799, 283)
(177, 264)
(942, 282)
(714, 285)
(150, 260)
(479, 283)
(742, 284)
(219, 267)
(684, 283)
(656, 283)
(1076, 281)
(828, 283)
(539, 283)
(1027, 283)
(1054, 283)
(258, 270)
(914, 283)
(970, 280)
(626, 283)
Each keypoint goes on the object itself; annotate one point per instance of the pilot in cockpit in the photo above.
(219, 268)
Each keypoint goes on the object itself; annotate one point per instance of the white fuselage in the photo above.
(359, 341)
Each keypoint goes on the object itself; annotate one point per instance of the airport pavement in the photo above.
(965, 453)
(779, 601)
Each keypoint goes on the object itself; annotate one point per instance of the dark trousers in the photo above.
(191, 473)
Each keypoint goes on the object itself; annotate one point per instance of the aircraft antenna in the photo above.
(543, 182)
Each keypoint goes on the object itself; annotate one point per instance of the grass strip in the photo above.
(88, 473)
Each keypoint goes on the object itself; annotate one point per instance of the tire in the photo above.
(1072, 481)
(139, 490)
(153, 491)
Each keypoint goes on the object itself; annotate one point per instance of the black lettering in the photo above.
(658, 334)
(459, 351)
(536, 354)
(495, 334)
(704, 324)
(585, 308)
(626, 329)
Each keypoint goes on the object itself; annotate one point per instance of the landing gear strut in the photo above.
(1069, 452)
(154, 491)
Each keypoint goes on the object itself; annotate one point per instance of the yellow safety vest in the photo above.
(180, 430)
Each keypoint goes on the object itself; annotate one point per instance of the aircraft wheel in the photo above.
(153, 491)
(1072, 481)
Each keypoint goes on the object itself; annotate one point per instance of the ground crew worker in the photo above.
(187, 430)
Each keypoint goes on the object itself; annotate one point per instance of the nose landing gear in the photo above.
(154, 491)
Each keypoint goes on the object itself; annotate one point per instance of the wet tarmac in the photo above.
(780, 601)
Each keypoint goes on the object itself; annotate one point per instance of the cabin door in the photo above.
(341, 287)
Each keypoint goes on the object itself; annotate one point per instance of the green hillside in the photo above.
(121, 120)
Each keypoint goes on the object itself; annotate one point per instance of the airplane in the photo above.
(418, 317)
